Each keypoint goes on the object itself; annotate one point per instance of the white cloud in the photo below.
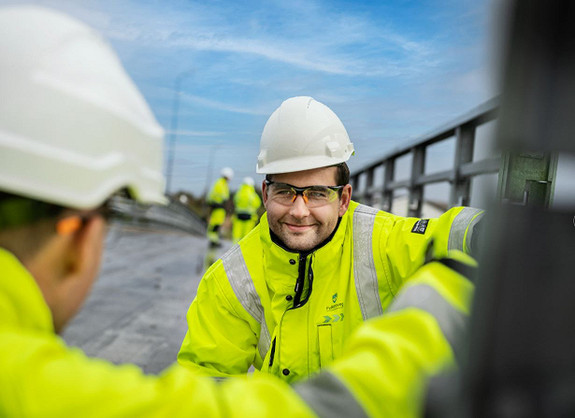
(319, 39)
(214, 104)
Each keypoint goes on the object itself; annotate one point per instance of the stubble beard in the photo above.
(300, 241)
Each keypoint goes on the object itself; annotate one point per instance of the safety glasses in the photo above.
(313, 196)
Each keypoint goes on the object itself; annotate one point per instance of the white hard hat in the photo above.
(74, 128)
(249, 181)
(300, 135)
(227, 172)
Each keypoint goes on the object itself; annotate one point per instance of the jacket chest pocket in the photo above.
(325, 344)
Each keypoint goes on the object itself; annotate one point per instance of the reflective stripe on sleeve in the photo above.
(422, 296)
(245, 291)
(366, 283)
(464, 221)
(327, 396)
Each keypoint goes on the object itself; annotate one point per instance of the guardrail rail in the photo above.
(459, 175)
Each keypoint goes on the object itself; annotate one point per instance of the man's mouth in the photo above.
(298, 227)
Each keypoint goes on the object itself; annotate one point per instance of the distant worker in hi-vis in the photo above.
(217, 198)
(246, 205)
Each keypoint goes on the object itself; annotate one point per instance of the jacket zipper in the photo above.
(299, 284)
(273, 352)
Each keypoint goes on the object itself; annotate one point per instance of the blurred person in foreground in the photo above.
(74, 131)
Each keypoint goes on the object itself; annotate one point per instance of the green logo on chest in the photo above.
(332, 318)
(334, 298)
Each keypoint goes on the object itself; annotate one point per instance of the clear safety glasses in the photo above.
(313, 196)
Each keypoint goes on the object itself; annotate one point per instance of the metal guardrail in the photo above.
(174, 216)
(459, 175)
(524, 178)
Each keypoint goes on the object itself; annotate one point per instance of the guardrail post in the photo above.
(460, 194)
(387, 194)
(368, 188)
(416, 191)
(354, 181)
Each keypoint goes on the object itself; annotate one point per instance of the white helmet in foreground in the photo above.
(300, 135)
(74, 129)
(227, 172)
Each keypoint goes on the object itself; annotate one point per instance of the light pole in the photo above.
(174, 126)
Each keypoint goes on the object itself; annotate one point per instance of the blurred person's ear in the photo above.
(68, 264)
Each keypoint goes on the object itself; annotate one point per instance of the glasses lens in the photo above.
(319, 196)
(282, 193)
(314, 196)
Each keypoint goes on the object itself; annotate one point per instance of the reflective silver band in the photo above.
(245, 291)
(366, 283)
(327, 396)
(465, 220)
(451, 321)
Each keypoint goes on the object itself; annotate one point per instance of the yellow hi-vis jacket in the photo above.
(41, 377)
(383, 373)
(246, 201)
(388, 360)
(251, 307)
(246, 205)
(219, 193)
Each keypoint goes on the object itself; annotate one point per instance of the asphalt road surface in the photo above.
(136, 312)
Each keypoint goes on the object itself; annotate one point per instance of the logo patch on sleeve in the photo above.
(420, 226)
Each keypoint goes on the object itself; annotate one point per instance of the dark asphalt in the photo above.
(136, 312)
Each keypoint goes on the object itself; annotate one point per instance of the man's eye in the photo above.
(317, 194)
(283, 192)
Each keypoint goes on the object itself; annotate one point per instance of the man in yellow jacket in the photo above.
(217, 198)
(246, 205)
(287, 298)
(55, 192)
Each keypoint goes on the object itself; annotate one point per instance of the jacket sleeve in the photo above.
(42, 377)
(387, 363)
(222, 337)
(404, 241)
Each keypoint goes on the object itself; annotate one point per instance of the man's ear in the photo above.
(77, 237)
(345, 199)
(264, 192)
(79, 268)
(88, 243)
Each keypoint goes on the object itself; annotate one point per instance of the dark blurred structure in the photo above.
(520, 359)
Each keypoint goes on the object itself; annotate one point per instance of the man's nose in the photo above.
(299, 208)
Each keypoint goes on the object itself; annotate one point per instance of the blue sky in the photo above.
(391, 70)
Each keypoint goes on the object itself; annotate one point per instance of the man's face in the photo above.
(299, 227)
